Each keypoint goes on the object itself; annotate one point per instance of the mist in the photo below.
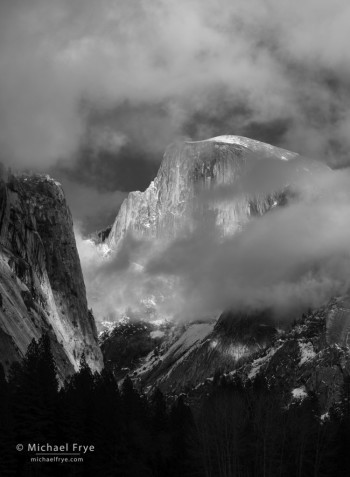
(117, 286)
(293, 258)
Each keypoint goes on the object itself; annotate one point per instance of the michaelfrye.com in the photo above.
(61, 453)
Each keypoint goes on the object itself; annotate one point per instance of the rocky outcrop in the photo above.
(188, 171)
(41, 283)
(129, 342)
(175, 357)
(313, 357)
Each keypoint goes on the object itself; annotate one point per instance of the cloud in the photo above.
(118, 285)
(104, 87)
(293, 258)
(263, 175)
(280, 62)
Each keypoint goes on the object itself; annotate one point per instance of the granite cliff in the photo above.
(310, 356)
(41, 283)
(189, 169)
(193, 185)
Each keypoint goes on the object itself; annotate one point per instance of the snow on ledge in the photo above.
(307, 352)
(299, 393)
(240, 140)
(251, 144)
(259, 362)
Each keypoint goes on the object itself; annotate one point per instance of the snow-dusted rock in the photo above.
(188, 170)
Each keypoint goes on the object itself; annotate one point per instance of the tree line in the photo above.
(237, 430)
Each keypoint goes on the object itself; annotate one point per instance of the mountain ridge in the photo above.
(188, 168)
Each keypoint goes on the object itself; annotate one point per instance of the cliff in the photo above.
(188, 171)
(41, 282)
(192, 353)
(310, 356)
(313, 357)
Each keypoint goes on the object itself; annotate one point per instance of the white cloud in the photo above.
(293, 258)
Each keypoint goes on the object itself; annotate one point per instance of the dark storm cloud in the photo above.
(122, 147)
(264, 69)
(278, 62)
(130, 168)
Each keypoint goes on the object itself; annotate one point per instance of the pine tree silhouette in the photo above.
(33, 386)
(182, 437)
(108, 430)
(138, 440)
(159, 412)
(7, 442)
(343, 431)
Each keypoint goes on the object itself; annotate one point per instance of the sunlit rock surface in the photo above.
(188, 171)
(41, 283)
(312, 356)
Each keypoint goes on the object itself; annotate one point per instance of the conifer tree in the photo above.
(7, 442)
(159, 413)
(182, 437)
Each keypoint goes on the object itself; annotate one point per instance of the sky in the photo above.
(93, 92)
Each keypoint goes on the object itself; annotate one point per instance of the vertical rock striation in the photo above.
(41, 283)
(188, 171)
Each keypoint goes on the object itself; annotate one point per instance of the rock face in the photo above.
(126, 345)
(311, 356)
(203, 181)
(307, 359)
(189, 170)
(175, 357)
(200, 350)
(41, 283)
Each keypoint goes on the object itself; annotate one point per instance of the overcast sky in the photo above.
(93, 91)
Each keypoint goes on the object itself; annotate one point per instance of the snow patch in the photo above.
(107, 325)
(307, 352)
(324, 417)
(213, 344)
(299, 393)
(258, 363)
(253, 145)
